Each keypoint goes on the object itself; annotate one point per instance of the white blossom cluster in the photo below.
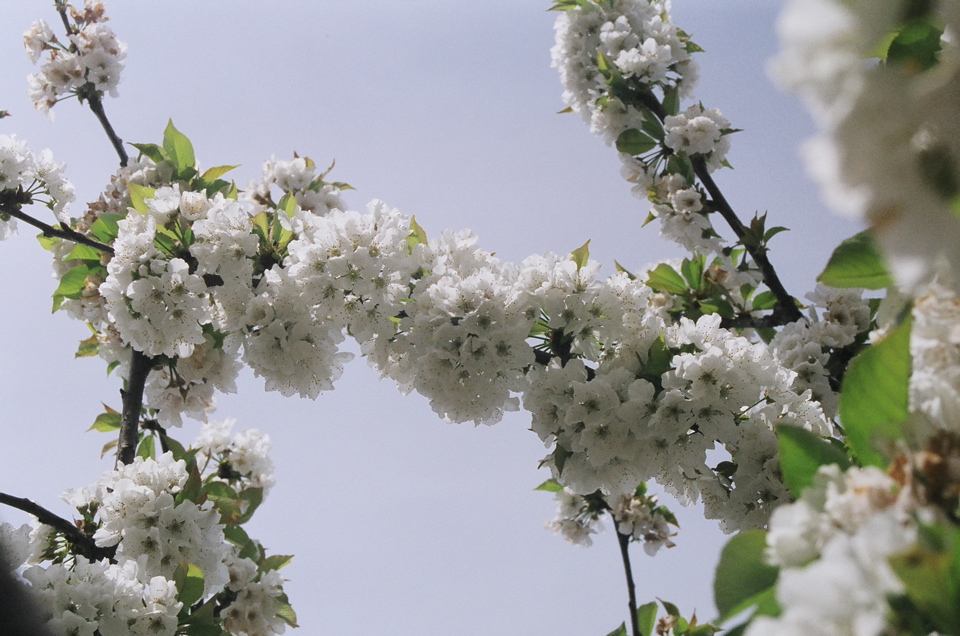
(638, 39)
(832, 547)
(140, 512)
(245, 454)
(805, 346)
(90, 56)
(25, 178)
(647, 52)
(935, 354)
(889, 149)
(299, 178)
(457, 325)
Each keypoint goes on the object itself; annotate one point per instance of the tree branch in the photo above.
(48, 230)
(624, 541)
(786, 306)
(84, 544)
(132, 397)
(95, 100)
(786, 310)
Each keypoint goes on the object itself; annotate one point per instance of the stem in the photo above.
(786, 307)
(96, 105)
(48, 230)
(132, 397)
(624, 541)
(84, 544)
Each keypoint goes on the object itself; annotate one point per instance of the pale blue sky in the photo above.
(400, 523)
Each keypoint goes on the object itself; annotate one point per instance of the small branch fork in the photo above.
(84, 544)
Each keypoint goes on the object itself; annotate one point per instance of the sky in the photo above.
(399, 523)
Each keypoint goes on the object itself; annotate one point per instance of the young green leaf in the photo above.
(875, 396)
(802, 453)
(189, 580)
(634, 142)
(856, 263)
(620, 631)
(71, 285)
(139, 195)
(581, 255)
(742, 574)
(551, 485)
(212, 174)
(146, 448)
(666, 279)
(417, 236)
(647, 618)
(106, 422)
(178, 148)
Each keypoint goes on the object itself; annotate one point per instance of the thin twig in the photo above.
(84, 544)
(63, 232)
(96, 105)
(624, 541)
(132, 397)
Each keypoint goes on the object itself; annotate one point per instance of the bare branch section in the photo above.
(132, 397)
(95, 100)
(84, 544)
(62, 232)
(624, 541)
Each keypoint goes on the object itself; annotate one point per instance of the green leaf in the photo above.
(153, 151)
(634, 142)
(87, 348)
(71, 285)
(742, 573)
(620, 631)
(178, 148)
(286, 613)
(417, 236)
(105, 228)
(856, 263)
(236, 535)
(189, 580)
(875, 395)
(581, 255)
(647, 618)
(212, 174)
(930, 573)
(666, 279)
(253, 497)
(139, 195)
(764, 300)
(621, 268)
(83, 253)
(288, 203)
(146, 448)
(560, 455)
(671, 101)
(917, 45)
(652, 126)
(276, 562)
(106, 422)
(551, 485)
(692, 270)
(802, 453)
(108, 447)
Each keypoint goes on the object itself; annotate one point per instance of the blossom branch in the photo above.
(132, 397)
(786, 310)
(63, 232)
(83, 543)
(95, 100)
(624, 541)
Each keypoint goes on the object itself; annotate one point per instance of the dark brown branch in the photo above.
(95, 99)
(63, 232)
(624, 541)
(83, 544)
(132, 396)
(786, 306)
